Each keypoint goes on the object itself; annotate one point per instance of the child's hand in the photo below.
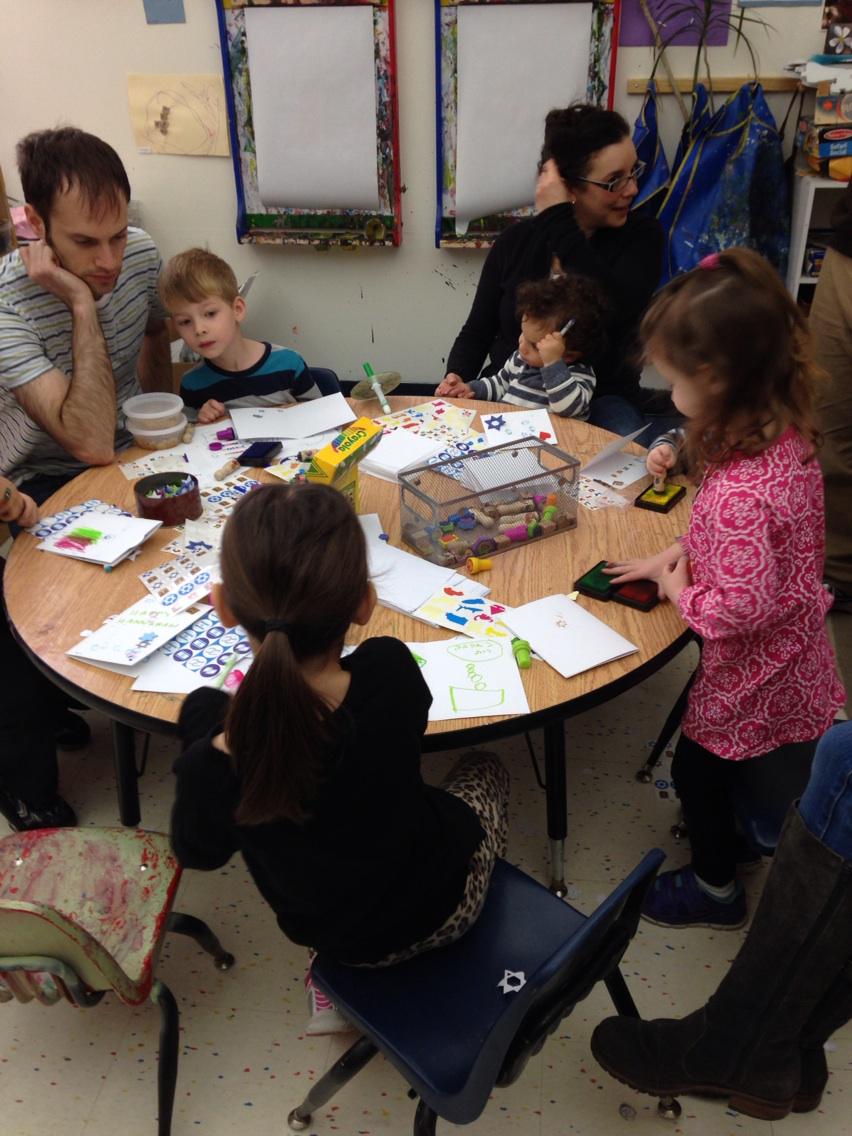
(16, 507)
(647, 568)
(660, 460)
(551, 348)
(211, 411)
(454, 386)
(675, 578)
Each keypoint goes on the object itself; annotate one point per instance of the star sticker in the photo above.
(512, 981)
(495, 422)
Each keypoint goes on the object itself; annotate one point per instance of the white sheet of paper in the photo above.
(470, 678)
(566, 636)
(100, 538)
(396, 452)
(615, 468)
(404, 581)
(545, 50)
(300, 421)
(313, 92)
(510, 425)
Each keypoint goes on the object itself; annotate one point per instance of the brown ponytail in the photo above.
(294, 572)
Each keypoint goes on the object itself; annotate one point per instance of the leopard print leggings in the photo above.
(482, 782)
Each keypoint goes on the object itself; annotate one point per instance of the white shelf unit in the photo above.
(806, 187)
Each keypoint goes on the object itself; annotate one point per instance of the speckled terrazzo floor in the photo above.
(245, 1061)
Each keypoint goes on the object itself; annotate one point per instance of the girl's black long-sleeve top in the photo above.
(382, 861)
(626, 261)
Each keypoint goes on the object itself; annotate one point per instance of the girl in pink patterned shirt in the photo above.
(747, 576)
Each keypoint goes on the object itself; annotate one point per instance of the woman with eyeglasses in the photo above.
(582, 224)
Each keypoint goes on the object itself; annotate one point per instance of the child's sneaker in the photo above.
(677, 900)
(325, 1017)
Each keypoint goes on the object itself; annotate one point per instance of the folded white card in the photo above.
(566, 635)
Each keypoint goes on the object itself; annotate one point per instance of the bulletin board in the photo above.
(500, 65)
(312, 108)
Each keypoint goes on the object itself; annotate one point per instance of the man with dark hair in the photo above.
(79, 317)
(79, 314)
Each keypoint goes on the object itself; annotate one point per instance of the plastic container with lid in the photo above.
(155, 411)
(160, 439)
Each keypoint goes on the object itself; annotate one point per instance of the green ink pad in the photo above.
(594, 583)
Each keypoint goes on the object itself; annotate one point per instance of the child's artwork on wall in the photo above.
(178, 114)
(470, 678)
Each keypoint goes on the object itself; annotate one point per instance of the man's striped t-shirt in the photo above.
(36, 336)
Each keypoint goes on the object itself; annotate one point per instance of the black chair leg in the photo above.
(341, 1072)
(622, 999)
(425, 1120)
(167, 1068)
(198, 930)
(666, 734)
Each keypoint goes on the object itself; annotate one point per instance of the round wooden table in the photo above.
(50, 600)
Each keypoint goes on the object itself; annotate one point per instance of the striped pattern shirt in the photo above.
(35, 337)
(566, 390)
(280, 377)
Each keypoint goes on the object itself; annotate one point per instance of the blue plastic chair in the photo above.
(457, 1021)
(326, 380)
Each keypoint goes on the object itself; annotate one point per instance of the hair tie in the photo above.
(710, 261)
(276, 625)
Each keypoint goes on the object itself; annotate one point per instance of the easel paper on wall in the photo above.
(567, 636)
(313, 77)
(545, 50)
(470, 678)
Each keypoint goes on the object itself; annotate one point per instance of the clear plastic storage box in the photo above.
(488, 501)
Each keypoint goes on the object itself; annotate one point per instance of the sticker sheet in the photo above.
(56, 522)
(595, 495)
(470, 678)
(510, 425)
(438, 419)
(183, 581)
(218, 500)
(458, 449)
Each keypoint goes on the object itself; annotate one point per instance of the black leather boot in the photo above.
(745, 1043)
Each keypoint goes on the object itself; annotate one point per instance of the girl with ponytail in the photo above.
(312, 769)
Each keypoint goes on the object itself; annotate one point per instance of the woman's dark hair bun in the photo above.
(574, 133)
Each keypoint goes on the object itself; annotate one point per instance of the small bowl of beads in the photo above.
(168, 497)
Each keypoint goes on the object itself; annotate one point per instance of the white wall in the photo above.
(63, 62)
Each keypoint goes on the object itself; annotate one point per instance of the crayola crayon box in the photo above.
(337, 463)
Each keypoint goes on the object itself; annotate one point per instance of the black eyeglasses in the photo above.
(617, 184)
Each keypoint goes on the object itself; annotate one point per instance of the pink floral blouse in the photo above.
(756, 543)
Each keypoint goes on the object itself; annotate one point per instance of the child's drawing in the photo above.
(178, 114)
(470, 678)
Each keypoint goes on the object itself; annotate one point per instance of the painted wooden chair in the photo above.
(84, 911)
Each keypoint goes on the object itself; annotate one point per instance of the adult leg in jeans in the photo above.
(831, 324)
(758, 1040)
